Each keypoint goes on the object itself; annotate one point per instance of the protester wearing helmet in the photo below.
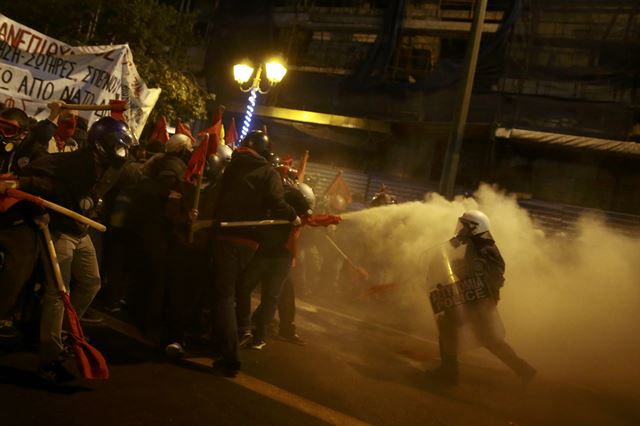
(76, 180)
(168, 167)
(217, 163)
(482, 259)
(111, 139)
(249, 189)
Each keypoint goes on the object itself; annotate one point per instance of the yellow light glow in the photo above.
(242, 73)
(275, 71)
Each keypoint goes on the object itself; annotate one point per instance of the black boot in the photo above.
(446, 373)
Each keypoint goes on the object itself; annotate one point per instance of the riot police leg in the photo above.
(447, 372)
(505, 353)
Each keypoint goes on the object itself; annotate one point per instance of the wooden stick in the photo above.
(15, 193)
(253, 223)
(53, 257)
(91, 107)
(194, 210)
(303, 166)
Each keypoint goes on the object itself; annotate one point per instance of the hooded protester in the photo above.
(270, 268)
(249, 189)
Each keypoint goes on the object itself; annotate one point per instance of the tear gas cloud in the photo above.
(570, 304)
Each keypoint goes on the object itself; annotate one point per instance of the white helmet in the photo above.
(473, 222)
(307, 193)
(178, 143)
(224, 153)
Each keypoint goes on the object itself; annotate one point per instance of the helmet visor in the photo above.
(465, 227)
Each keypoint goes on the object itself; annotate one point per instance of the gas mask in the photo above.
(9, 135)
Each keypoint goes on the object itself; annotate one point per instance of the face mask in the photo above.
(9, 133)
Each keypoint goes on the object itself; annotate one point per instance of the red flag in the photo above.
(90, 361)
(182, 129)
(339, 187)
(6, 202)
(160, 133)
(231, 135)
(198, 159)
(118, 107)
(321, 220)
(216, 126)
(310, 220)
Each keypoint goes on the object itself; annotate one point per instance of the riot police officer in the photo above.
(469, 317)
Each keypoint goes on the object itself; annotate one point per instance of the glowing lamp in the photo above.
(275, 71)
(242, 73)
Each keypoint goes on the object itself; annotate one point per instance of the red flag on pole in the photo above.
(339, 187)
(160, 133)
(231, 135)
(216, 127)
(182, 129)
(90, 361)
(199, 158)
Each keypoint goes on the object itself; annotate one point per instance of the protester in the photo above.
(270, 268)
(70, 179)
(250, 188)
(20, 144)
(20, 247)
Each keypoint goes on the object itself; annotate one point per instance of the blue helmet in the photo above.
(112, 139)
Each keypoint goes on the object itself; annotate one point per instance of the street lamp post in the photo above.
(250, 79)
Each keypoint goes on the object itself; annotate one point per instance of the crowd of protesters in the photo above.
(164, 263)
(194, 227)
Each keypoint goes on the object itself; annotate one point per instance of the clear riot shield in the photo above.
(464, 308)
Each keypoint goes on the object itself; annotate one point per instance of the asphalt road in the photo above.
(354, 370)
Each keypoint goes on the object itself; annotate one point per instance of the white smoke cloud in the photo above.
(569, 305)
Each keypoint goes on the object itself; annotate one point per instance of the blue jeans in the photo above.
(270, 272)
(77, 258)
(230, 261)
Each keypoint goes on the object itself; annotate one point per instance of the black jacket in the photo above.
(274, 239)
(64, 179)
(250, 189)
(492, 264)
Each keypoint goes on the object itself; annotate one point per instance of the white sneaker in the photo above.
(174, 350)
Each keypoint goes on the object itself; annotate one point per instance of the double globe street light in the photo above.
(249, 79)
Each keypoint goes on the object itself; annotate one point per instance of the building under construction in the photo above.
(374, 86)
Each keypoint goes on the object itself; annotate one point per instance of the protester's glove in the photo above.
(297, 221)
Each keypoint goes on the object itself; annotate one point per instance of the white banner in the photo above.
(36, 69)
